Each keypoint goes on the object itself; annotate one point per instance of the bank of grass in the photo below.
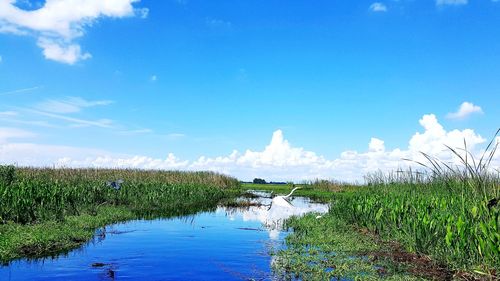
(319, 190)
(46, 211)
(327, 248)
(441, 224)
(451, 220)
(440, 228)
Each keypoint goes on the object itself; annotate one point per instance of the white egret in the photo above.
(281, 200)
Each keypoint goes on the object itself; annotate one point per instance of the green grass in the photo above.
(45, 211)
(54, 237)
(449, 214)
(306, 190)
(445, 220)
(326, 248)
(440, 219)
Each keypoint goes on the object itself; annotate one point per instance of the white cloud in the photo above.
(279, 160)
(77, 122)
(174, 136)
(70, 105)
(218, 23)
(59, 22)
(465, 110)
(153, 78)
(8, 113)
(30, 154)
(451, 2)
(62, 51)
(142, 12)
(378, 7)
(136, 132)
(13, 133)
(19, 91)
(109, 161)
(376, 145)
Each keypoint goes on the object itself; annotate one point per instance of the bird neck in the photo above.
(292, 192)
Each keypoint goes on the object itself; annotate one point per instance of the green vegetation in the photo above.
(320, 190)
(406, 225)
(448, 217)
(44, 211)
(329, 249)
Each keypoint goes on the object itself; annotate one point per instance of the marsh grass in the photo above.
(330, 249)
(31, 195)
(44, 211)
(449, 212)
(317, 190)
(444, 220)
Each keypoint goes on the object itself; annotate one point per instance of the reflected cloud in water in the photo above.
(272, 214)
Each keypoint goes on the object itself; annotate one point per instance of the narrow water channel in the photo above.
(226, 244)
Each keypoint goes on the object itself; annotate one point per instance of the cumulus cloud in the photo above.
(61, 51)
(58, 23)
(378, 7)
(451, 2)
(282, 161)
(279, 160)
(171, 162)
(376, 145)
(465, 110)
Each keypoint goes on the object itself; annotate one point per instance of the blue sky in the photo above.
(204, 78)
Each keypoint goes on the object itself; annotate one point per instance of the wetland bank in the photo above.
(400, 226)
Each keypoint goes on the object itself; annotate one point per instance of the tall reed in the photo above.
(451, 213)
(30, 195)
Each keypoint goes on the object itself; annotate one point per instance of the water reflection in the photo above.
(225, 244)
(272, 213)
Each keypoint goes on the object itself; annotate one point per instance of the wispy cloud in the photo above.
(218, 23)
(70, 105)
(451, 2)
(37, 123)
(136, 132)
(378, 7)
(175, 135)
(153, 78)
(77, 122)
(20, 91)
(13, 133)
(464, 111)
(8, 113)
(16, 118)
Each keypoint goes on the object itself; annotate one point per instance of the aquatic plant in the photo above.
(31, 195)
(448, 212)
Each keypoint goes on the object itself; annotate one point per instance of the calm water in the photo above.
(227, 244)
